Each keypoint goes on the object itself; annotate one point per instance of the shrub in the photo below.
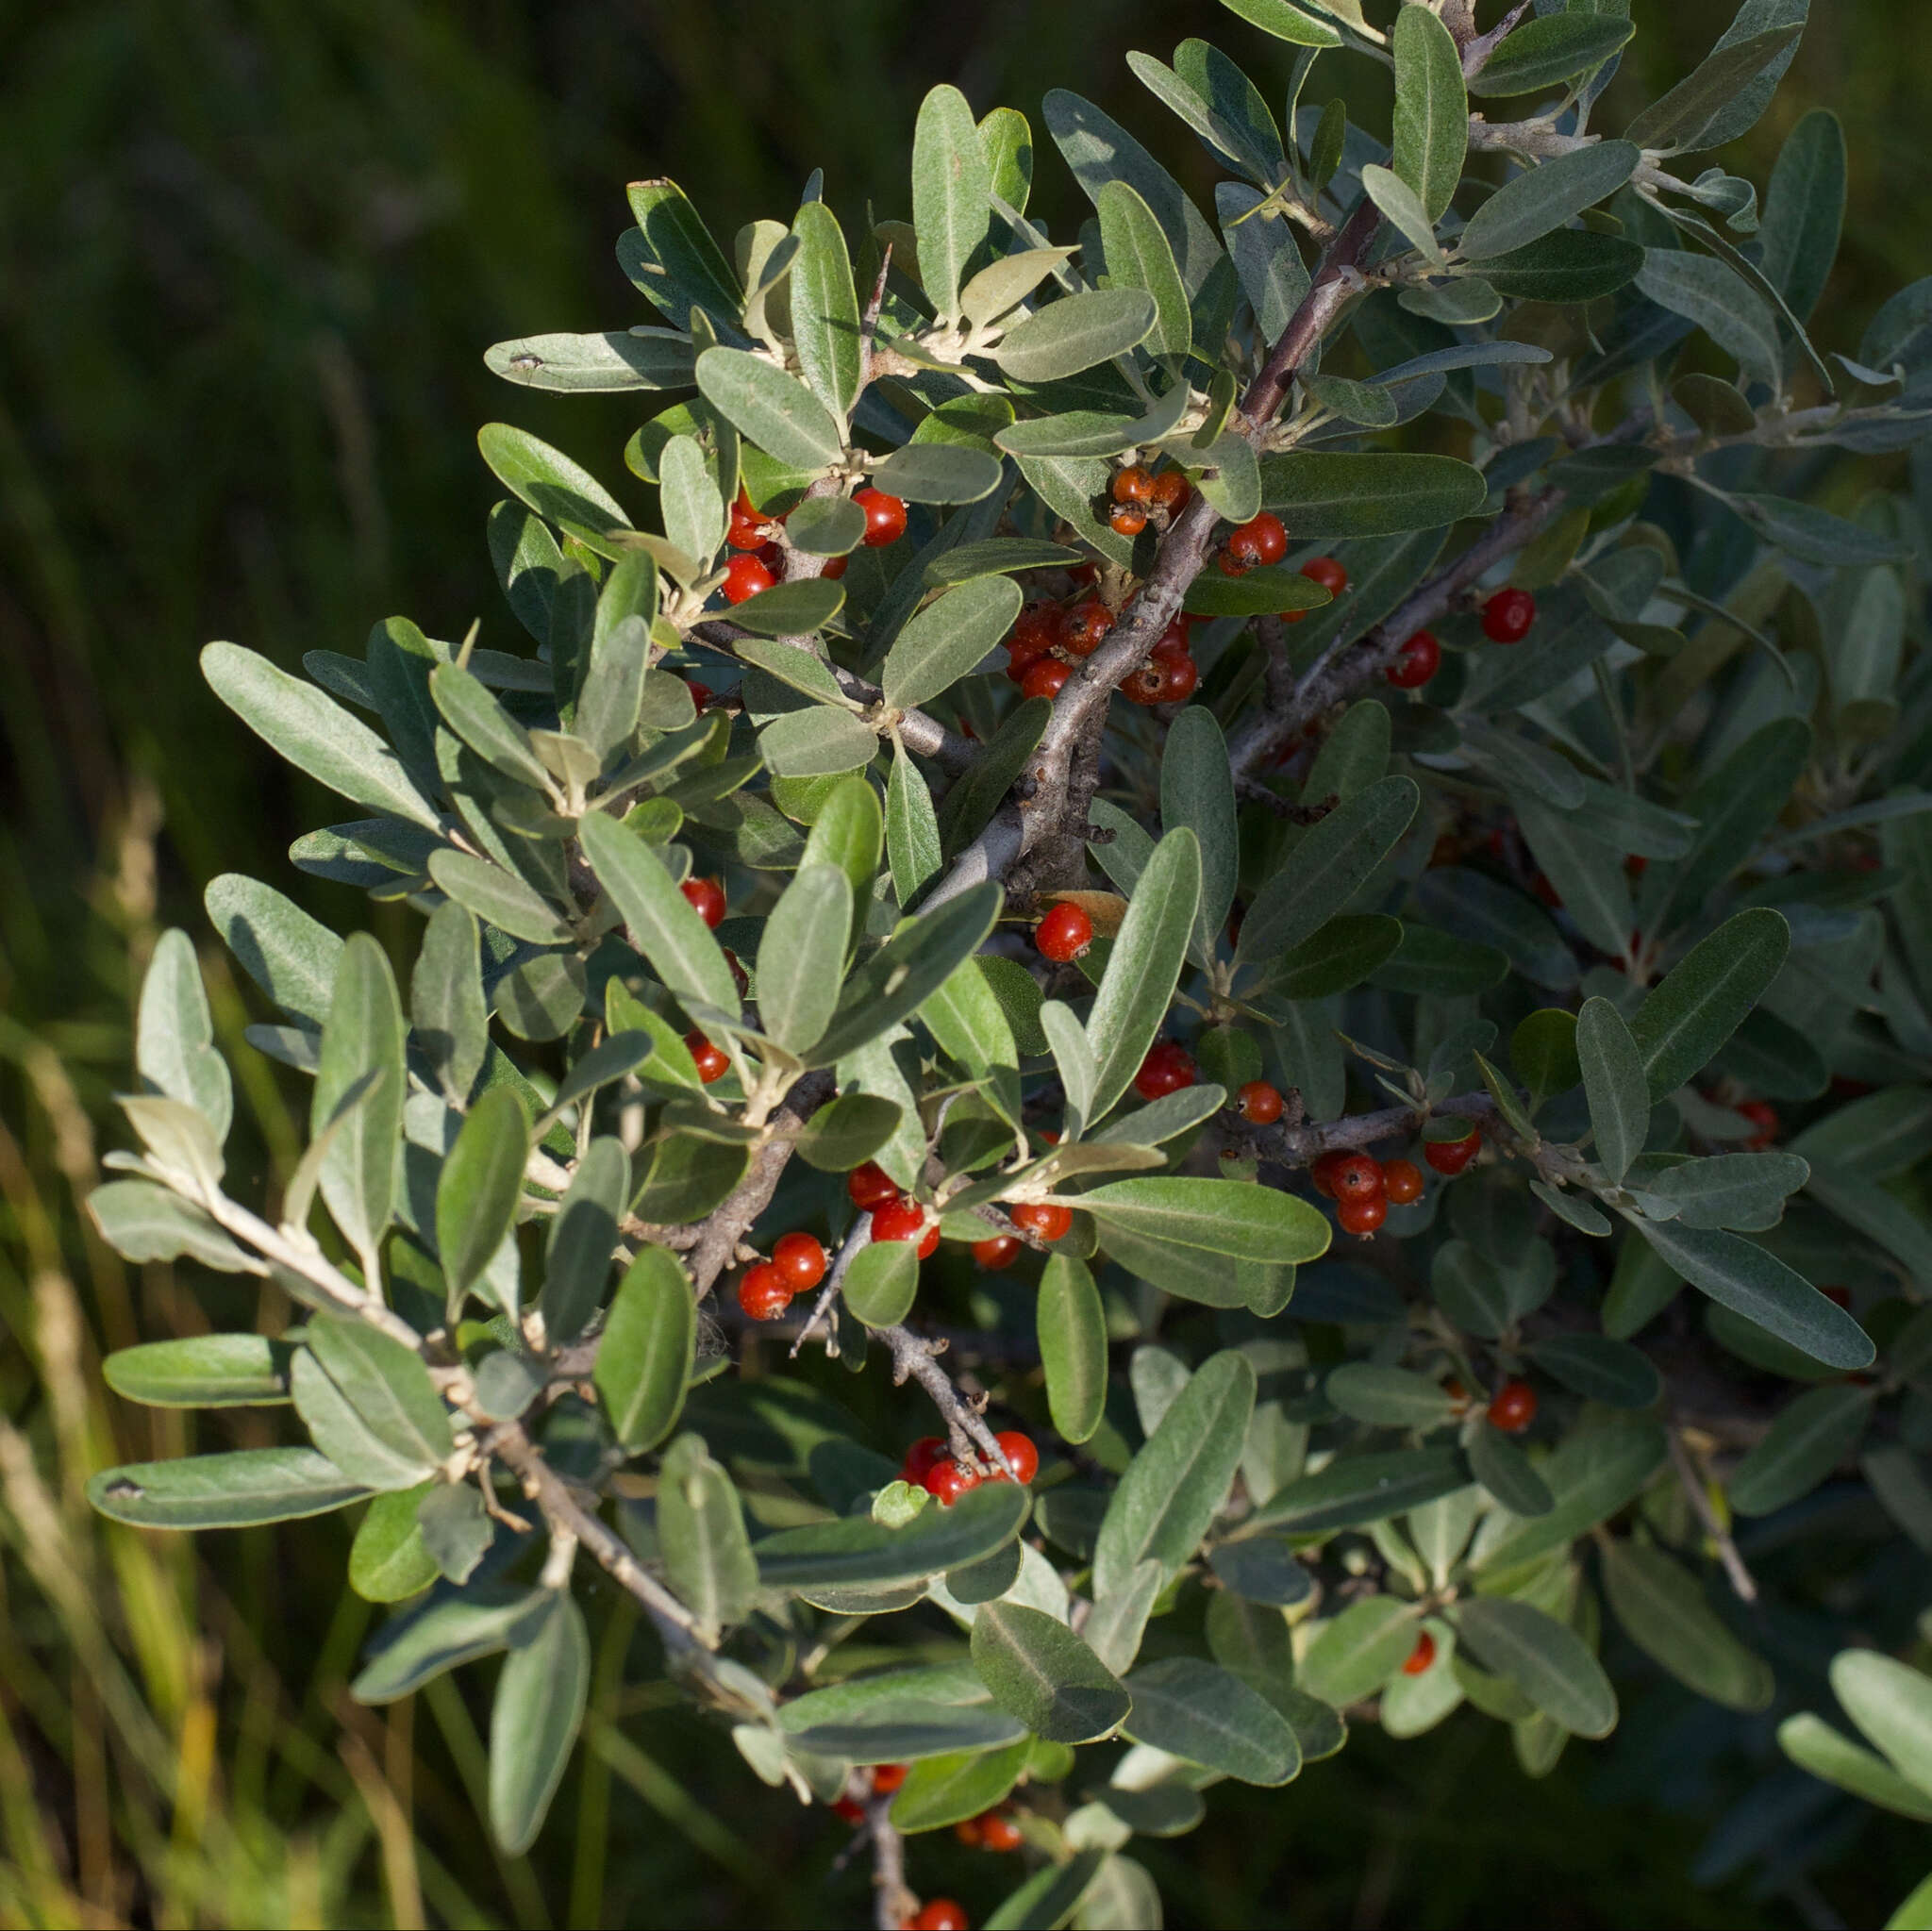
(1498, 843)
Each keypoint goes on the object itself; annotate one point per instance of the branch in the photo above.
(1042, 808)
(727, 1226)
(566, 1516)
(1743, 1581)
(301, 1257)
(1300, 1146)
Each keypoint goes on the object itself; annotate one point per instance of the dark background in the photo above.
(250, 255)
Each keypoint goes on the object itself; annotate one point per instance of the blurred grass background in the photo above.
(250, 253)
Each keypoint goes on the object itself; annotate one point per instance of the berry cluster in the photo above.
(1046, 638)
(760, 559)
(875, 1191)
(991, 1830)
(1139, 496)
(797, 1265)
(1363, 1188)
(883, 1779)
(930, 1465)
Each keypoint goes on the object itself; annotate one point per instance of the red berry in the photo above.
(1178, 676)
(940, 1914)
(1331, 576)
(885, 516)
(849, 1809)
(1084, 627)
(871, 1187)
(999, 1832)
(762, 1294)
(998, 1254)
(1322, 1172)
(1508, 615)
(1046, 1218)
(1175, 640)
(1064, 934)
(1134, 483)
(701, 694)
(1635, 865)
(1145, 685)
(747, 525)
(1260, 540)
(1260, 1103)
(1362, 1215)
(1763, 1116)
(886, 1777)
(739, 977)
(949, 1480)
(905, 1220)
(1355, 1176)
(746, 576)
(706, 897)
(1451, 1155)
(1166, 1069)
(1034, 633)
(1422, 1655)
(1513, 1409)
(1173, 491)
(1457, 1393)
(1402, 1181)
(1416, 662)
(834, 568)
(801, 1260)
(1044, 678)
(1126, 519)
(773, 556)
(711, 1061)
(925, 1456)
(967, 1831)
(1020, 1451)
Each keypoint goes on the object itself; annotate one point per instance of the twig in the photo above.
(859, 1236)
(1299, 1146)
(1742, 1582)
(1478, 49)
(918, 731)
(1348, 663)
(869, 325)
(891, 1903)
(970, 1437)
(566, 1516)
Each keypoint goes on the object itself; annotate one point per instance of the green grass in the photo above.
(251, 256)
